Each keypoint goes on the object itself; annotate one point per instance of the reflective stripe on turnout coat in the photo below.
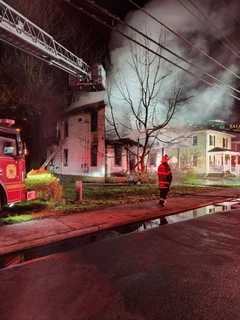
(164, 175)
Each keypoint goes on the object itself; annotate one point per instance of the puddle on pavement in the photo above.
(75, 243)
(183, 216)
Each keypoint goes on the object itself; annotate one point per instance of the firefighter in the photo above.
(165, 179)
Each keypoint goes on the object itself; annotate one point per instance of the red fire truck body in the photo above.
(12, 165)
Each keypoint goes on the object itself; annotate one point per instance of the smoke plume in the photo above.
(206, 102)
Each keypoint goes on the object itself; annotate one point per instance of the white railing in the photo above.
(221, 169)
(14, 25)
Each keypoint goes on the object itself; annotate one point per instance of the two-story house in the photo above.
(204, 150)
(81, 138)
(208, 151)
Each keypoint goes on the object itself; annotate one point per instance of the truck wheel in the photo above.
(3, 200)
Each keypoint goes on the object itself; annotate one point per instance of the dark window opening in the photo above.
(211, 140)
(195, 140)
(94, 150)
(153, 159)
(132, 161)
(118, 154)
(66, 129)
(65, 157)
(225, 143)
(94, 121)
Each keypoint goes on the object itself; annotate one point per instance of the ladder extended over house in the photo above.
(19, 32)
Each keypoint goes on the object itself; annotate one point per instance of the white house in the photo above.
(81, 138)
(206, 151)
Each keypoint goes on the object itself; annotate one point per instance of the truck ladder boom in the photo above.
(20, 32)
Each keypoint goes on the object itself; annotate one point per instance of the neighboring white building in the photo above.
(81, 147)
(206, 151)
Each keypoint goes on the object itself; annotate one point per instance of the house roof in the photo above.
(224, 131)
(122, 141)
(217, 149)
(87, 101)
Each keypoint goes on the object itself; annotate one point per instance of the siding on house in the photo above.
(199, 151)
(80, 143)
(196, 155)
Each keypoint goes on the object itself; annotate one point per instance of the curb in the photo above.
(35, 248)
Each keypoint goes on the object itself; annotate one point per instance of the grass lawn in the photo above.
(95, 196)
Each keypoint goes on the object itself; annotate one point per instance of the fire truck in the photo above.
(12, 165)
(19, 32)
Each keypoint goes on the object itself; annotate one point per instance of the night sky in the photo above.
(99, 47)
(224, 13)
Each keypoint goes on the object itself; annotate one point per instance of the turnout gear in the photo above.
(164, 175)
(164, 178)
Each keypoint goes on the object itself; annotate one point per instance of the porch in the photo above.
(223, 161)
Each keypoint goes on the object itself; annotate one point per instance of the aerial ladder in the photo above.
(19, 32)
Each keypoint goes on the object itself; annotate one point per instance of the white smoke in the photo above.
(206, 101)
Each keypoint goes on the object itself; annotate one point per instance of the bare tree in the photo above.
(148, 97)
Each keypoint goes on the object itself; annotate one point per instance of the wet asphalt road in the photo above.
(189, 270)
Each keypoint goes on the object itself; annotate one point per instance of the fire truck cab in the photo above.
(12, 164)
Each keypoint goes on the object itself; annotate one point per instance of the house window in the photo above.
(132, 161)
(195, 140)
(94, 151)
(225, 143)
(210, 160)
(153, 159)
(65, 157)
(227, 157)
(195, 160)
(118, 154)
(94, 121)
(211, 140)
(66, 129)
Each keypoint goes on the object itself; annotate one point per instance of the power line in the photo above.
(227, 43)
(225, 2)
(93, 16)
(103, 10)
(185, 40)
(231, 45)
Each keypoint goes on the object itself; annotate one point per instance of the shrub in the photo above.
(142, 177)
(46, 185)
